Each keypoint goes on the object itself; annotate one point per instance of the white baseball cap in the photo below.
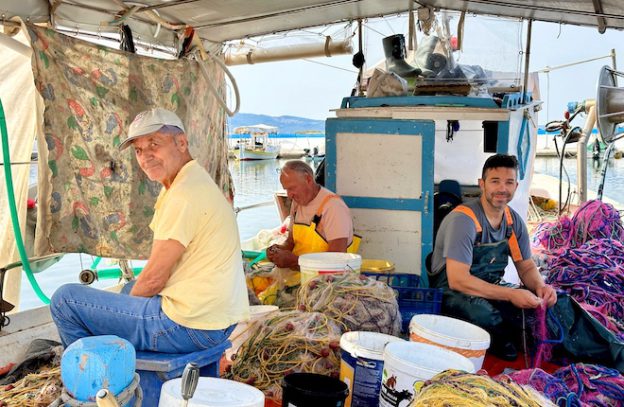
(150, 121)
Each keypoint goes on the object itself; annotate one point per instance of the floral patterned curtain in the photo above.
(92, 197)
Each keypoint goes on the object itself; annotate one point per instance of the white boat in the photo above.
(257, 145)
(395, 211)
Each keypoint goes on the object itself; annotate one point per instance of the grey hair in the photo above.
(298, 166)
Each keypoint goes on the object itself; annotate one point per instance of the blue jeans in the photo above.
(80, 311)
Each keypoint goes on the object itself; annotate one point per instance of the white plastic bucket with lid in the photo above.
(361, 366)
(212, 392)
(242, 331)
(459, 336)
(408, 363)
(314, 264)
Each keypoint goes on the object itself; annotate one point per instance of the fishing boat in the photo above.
(387, 156)
(257, 144)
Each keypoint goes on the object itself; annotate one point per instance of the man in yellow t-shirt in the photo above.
(192, 291)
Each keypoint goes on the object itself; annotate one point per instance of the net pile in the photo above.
(284, 343)
(355, 302)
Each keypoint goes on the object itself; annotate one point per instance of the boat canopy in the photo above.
(256, 129)
(218, 21)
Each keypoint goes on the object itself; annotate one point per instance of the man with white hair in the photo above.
(320, 221)
(192, 291)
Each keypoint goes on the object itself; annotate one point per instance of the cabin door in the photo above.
(383, 169)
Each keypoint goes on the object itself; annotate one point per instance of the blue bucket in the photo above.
(95, 363)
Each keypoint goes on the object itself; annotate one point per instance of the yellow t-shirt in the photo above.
(206, 289)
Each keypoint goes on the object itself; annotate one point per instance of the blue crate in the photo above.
(155, 368)
(412, 298)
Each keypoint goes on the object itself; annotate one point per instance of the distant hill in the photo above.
(285, 124)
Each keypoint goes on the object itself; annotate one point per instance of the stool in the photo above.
(155, 368)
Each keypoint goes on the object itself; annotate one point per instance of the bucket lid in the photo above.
(316, 386)
(411, 357)
(369, 345)
(326, 260)
(450, 331)
(213, 392)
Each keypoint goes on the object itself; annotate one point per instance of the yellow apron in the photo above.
(308, 240)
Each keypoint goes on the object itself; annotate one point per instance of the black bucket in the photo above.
(313, 390)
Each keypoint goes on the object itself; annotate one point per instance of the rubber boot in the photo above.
(394, 49)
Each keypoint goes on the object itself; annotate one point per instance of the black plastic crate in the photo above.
(412, 299)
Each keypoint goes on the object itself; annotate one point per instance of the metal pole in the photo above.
(581, 152)
(361, 74)
(527, 58)
(614, 65)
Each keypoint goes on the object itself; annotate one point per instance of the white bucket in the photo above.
(242, 332)
(361, 366)
(212, 392)
(408, 363)
(314, 264)
(459, 336)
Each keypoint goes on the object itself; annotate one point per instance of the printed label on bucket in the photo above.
(363, 376)
(395, 391)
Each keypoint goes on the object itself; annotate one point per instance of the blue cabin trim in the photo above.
(425, 129)
(456, 101)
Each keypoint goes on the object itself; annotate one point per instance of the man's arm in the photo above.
(163, 257)
(531, 278)
(461, 280)
(285, 258)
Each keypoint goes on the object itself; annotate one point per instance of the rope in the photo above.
(459, 389)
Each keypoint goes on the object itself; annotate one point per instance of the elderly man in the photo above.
(472, 249)
(192, 291)
(319, 220)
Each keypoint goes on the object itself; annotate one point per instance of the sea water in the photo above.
(256, 182)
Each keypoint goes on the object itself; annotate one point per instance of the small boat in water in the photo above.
(257, 145)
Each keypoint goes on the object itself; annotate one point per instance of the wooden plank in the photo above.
(426, 113)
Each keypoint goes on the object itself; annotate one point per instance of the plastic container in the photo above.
(408, 363)
(377, 266)
(313, 390)
(361, 366)
(314, 264)
(453, 334)
(212, 392)
(97, 362)
(241, 333)
(412, 298)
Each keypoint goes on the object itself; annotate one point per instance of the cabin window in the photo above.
(490, 136)
(524, 147)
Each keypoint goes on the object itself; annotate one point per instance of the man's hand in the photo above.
(522, 298)
(281, 257)
(548, 294)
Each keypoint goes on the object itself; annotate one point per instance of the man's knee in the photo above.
(61, 295)
(476, 310)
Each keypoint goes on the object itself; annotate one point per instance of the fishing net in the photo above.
(593, 220)
(576, 385)
(34, 390)
(459, 389)
(284, 343)
(274, 285)
(355, 302)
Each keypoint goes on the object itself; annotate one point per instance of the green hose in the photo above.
(19, 242)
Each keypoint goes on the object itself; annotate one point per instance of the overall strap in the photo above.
(470, 213)
(317, 217)
(514, 247)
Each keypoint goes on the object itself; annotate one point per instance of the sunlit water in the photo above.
(256, 182)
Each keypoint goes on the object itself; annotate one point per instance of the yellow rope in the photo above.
(459, 389)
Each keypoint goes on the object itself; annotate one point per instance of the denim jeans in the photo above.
(80, 311)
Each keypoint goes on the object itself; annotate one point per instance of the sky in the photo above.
(308, 89)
